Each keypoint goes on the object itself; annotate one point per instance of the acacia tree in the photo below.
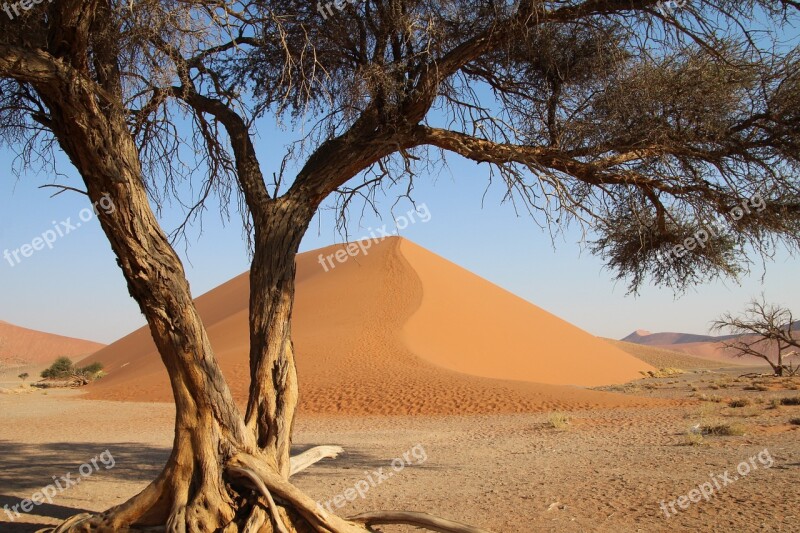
(637, 123)
(763, 330)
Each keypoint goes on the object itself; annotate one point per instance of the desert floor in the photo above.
(606, 470)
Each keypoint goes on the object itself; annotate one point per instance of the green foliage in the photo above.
(24, 376)
(62, 368)
(91, 370)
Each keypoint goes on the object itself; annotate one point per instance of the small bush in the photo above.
(709, 398)
(774, 404)
(92, 371)
(791, 401)
(558, 420)
(24, 376)
(60, 369)
(722, 430)
(64, 369)
(795, 421)
(740, 402)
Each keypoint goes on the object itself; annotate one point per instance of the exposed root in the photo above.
(258, 517)
(318, 518)
(422, 520)
(204, 507)
(71, 521)
(313, 456)
(253, 477)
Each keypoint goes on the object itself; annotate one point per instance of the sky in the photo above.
(75, 288)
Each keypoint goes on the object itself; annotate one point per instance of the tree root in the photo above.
(313, 456)
(253, 469)
(300, 502)
(273, 509)
(423, 520)
(293, 511)
(72, 521)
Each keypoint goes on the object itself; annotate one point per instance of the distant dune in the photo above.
(706, 346)
(397, 331)
(22, 346)
(664, 358)
(666, 338)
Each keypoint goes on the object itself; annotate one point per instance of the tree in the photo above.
(60, 369)
(638, 124)
(91, 371)
(766, 331)
(24, 376)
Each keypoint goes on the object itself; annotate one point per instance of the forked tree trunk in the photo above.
(212, 439)
(227, 472)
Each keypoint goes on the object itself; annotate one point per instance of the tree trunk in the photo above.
(273, 388)
(196, 491)
(224, 467)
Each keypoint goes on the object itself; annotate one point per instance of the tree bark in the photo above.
(273, 394)
(190, 493)
(199, 489)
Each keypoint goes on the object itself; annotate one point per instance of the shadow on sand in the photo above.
(27, 468)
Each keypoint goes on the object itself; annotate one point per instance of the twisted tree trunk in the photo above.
(227, 472)
(194, 492)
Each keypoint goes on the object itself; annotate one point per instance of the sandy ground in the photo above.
(607, 470)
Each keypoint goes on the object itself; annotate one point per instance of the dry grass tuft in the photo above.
(723, 430)
(667, 372)
(558, 420)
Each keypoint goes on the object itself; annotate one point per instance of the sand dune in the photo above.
(20, 345)
(666, 338)
(397, 331)
(704, 346)
(712, 351)
(667, 358)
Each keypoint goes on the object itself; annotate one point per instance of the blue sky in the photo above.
(76, 288)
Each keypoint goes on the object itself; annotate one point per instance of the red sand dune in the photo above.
(667, 338)
(702, 346)
(398, 330)
(716, 351)
(28, 346)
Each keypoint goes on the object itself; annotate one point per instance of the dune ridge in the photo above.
(20, 345)
(366, 344)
